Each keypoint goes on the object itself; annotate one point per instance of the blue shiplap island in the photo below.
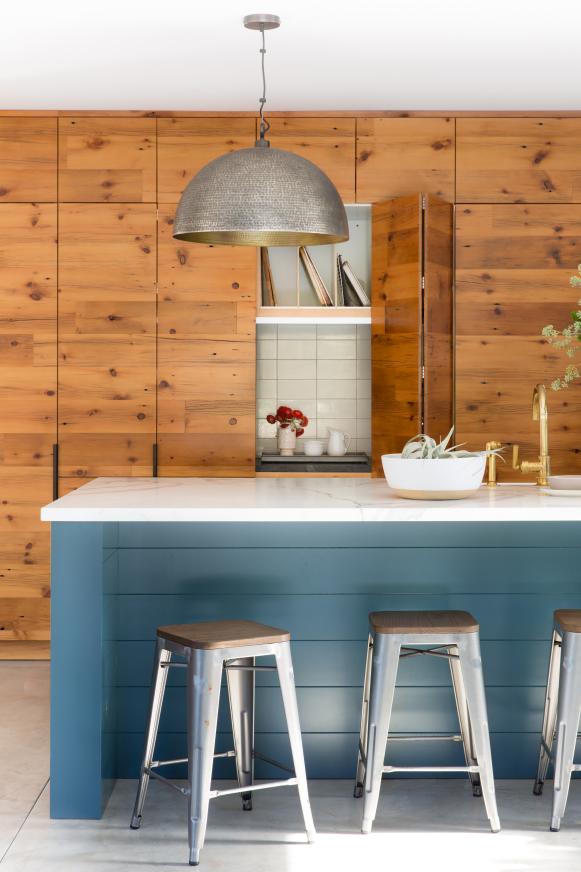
(314, 556)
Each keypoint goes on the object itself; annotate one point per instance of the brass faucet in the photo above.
(542, 466)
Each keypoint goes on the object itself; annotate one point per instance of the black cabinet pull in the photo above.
(154, 460)
(55, 471)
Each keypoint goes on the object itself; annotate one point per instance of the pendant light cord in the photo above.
(264, 125)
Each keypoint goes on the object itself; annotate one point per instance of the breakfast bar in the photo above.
(315, 556)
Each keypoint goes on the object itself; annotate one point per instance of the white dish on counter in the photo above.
(565, 482)
(450, 479)
(561, 492)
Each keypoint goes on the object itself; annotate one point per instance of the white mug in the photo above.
(314, 448)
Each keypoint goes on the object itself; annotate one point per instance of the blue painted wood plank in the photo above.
(337, 709)
(342, 616)
(81, 753)
(341, 663)
(353, 570)
(345, 535)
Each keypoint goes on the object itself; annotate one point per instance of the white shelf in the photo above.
(313, 315)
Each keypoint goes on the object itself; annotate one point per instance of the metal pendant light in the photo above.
(261, 196)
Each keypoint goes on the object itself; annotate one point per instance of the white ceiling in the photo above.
(328, 54)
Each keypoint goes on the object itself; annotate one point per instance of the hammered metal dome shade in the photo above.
(261, 196)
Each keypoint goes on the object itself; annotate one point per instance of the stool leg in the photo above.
(203, 697)
(471, 670)
(360, 772)
(386, 650)
(464, 720)
(241, 697)
(569, 708)
(158, 683)
(550, 714)
(289, 698)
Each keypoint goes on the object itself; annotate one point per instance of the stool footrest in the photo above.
(419, 737)
(389, 769)
(286, 782)
(258, 756)
(153, 774)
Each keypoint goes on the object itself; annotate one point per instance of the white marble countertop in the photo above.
(295, 500)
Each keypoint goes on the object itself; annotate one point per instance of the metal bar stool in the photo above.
(395, 636)
(562, 709)
(206, 649)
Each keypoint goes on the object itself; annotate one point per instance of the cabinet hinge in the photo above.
(423, 372)
(423, 283)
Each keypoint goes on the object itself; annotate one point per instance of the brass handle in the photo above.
(524, 465)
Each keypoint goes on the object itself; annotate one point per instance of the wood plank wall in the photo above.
(156, 342)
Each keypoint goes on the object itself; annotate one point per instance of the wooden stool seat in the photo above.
(222, 634)
(423, 622)
(569, 620)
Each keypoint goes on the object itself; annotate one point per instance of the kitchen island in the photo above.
(314, 556)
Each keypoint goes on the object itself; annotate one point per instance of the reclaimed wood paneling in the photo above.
(327, 142)
(28, 385)
(185, 145)
(518, 160)
(438, 340)
(28, 160)
(206, 357)
(399, 156)
(107, 160)
(513, 266)
(107, 326)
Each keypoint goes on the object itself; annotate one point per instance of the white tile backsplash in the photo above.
(336, 408)
(337, 369)
(296, 331)
(336, 349)
(266, 369)
(297, 369)
(266, 348)
(363, 368)
(297, 349)
(306, 388)
(324, 370)
(336, 388)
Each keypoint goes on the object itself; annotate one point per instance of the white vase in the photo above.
(287, 440)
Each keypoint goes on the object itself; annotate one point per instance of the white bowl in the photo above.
(447, 479)
(565, 482)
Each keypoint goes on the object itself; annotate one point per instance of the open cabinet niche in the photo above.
(292, 285)
(411, 321)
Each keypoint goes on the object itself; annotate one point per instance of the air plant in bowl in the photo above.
(417, 474)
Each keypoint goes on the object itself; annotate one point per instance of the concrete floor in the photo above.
(421, 825)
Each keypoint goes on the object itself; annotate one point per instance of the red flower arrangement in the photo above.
(286, 417)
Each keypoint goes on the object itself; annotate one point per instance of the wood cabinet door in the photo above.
(28, 404)
(185, 145)
(107, 160)
(206, 357)
(396, 323)
(513, 264)
(28, 160)
(107, 329)
(438, 326)
(399, 156)
(518, 160)
(411, 322)
(329, 143)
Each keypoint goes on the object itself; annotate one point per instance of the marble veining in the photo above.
(323, 499)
